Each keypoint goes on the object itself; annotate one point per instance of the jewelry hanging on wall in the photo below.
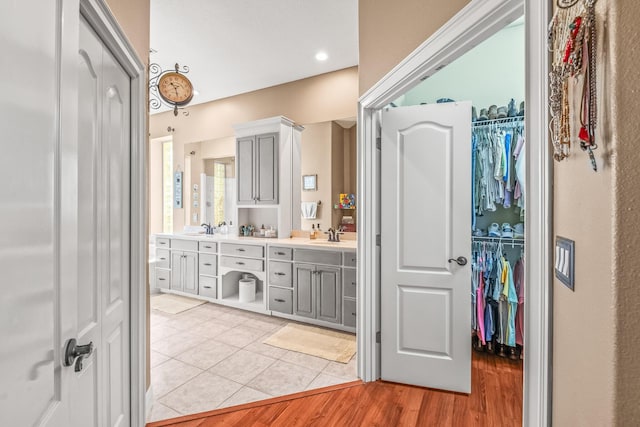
(572, 42)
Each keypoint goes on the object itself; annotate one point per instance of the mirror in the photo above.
(328, 153)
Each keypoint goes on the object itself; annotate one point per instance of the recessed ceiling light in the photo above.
(322, 56)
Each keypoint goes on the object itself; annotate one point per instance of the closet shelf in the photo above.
(503, 240)
(480, 123)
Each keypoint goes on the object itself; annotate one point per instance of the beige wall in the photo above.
(389, 31)
(316, 99)
(596, 340)
(626, 177)
(584, 320)
(133, 16)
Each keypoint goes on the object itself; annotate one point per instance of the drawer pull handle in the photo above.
(278, 273)
(162, 259)
(208, 247)
(279, 300)
(163, 243)
(209, 287)
(280, 253)
(353, 283)
(239, 263)
(207, 264)
(240, 250)
(161, 278)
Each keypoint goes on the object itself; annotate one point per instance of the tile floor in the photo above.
(212, 356)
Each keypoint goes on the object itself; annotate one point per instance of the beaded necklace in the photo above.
(572, 42)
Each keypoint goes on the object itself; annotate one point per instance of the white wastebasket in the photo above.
(247, 290)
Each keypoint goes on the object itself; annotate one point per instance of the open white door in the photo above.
(426, 234)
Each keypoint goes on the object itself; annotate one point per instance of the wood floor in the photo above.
(495, 400)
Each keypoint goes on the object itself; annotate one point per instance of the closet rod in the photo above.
(506, 241)
(505, 120)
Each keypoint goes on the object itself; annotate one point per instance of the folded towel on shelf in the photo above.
(309, 209)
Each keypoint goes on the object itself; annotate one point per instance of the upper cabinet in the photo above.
(257, 169)
(268, 173)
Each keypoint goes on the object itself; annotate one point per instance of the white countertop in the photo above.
(292, 241)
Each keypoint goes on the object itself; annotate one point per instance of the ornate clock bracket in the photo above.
(155, 100)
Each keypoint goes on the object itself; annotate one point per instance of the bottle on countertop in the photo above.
(262, 231)
(312, 234)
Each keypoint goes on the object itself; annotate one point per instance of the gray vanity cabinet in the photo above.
(329, 294)
(257, 169)
(303, 290)
(317, 292)
(184, 271)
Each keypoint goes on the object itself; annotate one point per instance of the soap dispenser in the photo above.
(312, 234)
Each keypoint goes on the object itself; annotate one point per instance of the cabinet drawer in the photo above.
(280, 253)
(242, 264)
(163, 242)
(209, 247)
(208, 287)
(242, 250)
(349, 259)
(349, 312)
(349, 282)
(208, 264)
(281, 300)
(317, 257)
(184, 245)
(163, 258)
(163, 278)
(280, 273)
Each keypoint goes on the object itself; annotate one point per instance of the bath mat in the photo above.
(325, 343)
(173, 304)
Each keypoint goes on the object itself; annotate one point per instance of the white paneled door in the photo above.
(425, 245)
(65, 220)
(103, 182)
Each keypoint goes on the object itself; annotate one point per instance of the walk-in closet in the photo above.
(492, 77)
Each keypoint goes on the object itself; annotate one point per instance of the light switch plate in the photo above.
(565, 261)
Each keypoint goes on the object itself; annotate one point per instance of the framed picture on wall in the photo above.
(309, 182)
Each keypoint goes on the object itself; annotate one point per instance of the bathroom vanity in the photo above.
(311, 281)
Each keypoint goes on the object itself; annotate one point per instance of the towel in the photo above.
(309, 209)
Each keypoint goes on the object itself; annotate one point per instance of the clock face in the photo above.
(175, 88)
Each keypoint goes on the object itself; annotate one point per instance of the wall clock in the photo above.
(170, 87)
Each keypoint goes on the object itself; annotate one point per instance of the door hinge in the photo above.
(378, 337)
(377, 240)
(379, 143)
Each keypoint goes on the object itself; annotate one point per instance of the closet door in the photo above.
(426, 202)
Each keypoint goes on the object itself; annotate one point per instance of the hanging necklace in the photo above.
(572, 42)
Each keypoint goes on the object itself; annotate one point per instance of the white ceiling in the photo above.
(237, 46)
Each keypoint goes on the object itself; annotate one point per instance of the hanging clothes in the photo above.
(497, 177)
(518, 278)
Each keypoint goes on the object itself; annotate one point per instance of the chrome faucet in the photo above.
(208, 229)
(334, 236)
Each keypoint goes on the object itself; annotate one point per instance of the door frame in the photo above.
(473, 24)
(100, 18)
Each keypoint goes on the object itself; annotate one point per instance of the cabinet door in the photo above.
(303, 290)
(329, 294)
(176, 270)
(190, 272)
(267, 169)
(245, 170)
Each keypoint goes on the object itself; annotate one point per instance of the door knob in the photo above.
(460, 260)
(74, 352)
